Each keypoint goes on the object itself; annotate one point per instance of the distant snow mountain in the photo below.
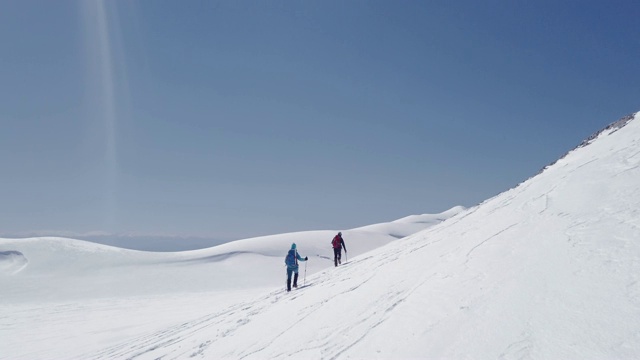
(547, 270)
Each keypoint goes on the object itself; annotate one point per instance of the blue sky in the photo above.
(229, 119)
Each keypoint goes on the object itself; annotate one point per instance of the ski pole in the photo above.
(304, 281)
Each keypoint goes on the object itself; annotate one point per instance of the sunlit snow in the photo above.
(547, 270)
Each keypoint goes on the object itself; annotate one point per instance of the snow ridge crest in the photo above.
(609, 129)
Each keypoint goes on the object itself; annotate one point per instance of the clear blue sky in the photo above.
(230, 119)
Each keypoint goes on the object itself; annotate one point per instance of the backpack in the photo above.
(336, 241)
(290, 260)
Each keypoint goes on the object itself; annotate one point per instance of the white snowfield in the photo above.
(547, 270)
(62, 298)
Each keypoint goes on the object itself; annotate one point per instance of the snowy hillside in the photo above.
(56, 290)
(547, 270)
(57, 269)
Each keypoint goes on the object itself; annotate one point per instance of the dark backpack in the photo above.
(290, 260)
(336, 241)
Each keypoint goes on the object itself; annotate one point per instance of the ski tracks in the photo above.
(178, 341)
(210, 336)
(374, 316)
(520, 349)
(160, 343)
(486, 240)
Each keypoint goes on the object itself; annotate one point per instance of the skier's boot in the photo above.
(289, 284)
(295, 280)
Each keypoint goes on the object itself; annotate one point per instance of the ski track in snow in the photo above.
(488, 239)
(520, 349)
(237, 316)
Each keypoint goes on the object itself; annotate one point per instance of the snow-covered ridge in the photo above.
(83, 269)
(607, 130)
(411, 224)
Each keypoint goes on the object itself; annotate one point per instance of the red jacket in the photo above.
(338, 242)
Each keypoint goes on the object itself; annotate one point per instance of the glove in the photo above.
(306, 258)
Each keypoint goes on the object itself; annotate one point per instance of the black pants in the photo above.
(295, 279)
(337, 256)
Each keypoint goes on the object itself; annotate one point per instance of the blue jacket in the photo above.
(296, 256)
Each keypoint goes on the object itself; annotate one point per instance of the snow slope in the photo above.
(547, 270)
(58, 269)
(62, 296)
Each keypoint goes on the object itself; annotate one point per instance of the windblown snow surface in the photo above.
(65, 298)
(547, 270)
